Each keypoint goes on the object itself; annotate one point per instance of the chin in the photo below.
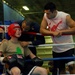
(18, 36)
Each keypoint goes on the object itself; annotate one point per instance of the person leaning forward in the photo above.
(60, 26)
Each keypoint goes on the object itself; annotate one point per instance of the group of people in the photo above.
(60, 27)
(9, 48)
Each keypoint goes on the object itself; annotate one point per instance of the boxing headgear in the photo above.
(11, 31)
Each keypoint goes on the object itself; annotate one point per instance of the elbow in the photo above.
(41, 31)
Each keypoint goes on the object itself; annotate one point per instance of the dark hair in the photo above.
(50, 6)
(29, 22)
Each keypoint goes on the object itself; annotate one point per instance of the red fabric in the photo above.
(11, 31)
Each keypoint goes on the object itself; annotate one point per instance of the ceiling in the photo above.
(36, 7)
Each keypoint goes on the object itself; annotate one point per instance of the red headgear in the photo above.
(11, 31)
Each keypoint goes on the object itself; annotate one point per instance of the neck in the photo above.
(14, 39)
(55, 13)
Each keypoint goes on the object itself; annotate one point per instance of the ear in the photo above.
(9, 33)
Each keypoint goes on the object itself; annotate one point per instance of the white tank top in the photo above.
(56, 24)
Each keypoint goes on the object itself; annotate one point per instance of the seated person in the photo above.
(2, 36)
(9, 48)
(2, 33)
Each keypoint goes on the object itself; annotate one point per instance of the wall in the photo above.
(1, 12)
(10, 14)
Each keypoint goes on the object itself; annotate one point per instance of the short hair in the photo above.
(2, 27)
(50, 6)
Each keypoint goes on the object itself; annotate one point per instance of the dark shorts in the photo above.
(26, 71)
(29, 68)
(61, 63)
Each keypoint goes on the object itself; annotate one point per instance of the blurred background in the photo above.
(33, 9)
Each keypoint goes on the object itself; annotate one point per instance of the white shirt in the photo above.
(56, 24)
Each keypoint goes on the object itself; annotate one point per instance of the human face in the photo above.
(1, 30)
(49, 14)
(24, 26)
(18, 32)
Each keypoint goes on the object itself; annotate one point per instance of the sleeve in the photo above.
(39, 39)
(3, 46)
(26, 51)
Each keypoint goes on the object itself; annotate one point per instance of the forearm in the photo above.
(46, 32)
(68, 31)
(32, 55)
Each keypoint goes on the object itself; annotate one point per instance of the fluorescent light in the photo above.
(25, 7)
(4, 1)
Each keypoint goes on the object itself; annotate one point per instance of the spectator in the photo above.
(2, 36)
(2, 33)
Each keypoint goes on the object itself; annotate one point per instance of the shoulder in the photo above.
(5, 43)
(4, 40)
(63, 13)
(44, 16)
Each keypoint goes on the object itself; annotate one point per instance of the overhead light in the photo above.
(25, 7)
(4, 1)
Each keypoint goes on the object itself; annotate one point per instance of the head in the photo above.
(50, 10)
(14, 30)
(25, 24)
(2, 32)
(2, 29)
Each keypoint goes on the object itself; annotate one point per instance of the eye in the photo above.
(15, 28)
(19, 29)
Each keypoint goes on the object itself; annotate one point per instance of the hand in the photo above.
(57, 34)
(37, 61)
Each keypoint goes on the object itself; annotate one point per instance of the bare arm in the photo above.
(24, 43)
(32, 55)
(43, 29)
(71, 23)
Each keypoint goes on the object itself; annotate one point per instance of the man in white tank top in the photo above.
(59, 25)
